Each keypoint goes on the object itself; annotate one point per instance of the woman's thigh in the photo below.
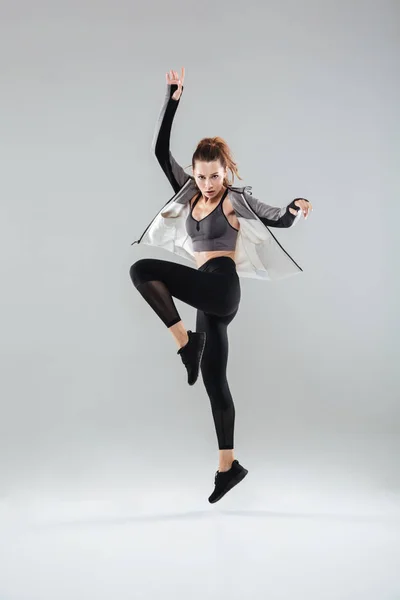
(215, 292)
(215, 356)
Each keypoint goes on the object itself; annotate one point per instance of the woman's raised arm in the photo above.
(161, 141)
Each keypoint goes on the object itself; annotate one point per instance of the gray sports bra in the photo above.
(213, 232)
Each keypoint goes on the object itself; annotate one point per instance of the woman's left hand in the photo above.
(304, 205)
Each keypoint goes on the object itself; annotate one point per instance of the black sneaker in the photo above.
(192, 353)
(226, 480)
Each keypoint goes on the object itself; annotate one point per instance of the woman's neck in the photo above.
(216, 198)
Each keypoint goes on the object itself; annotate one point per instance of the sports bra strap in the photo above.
(199, 196)
(223, 197)
(196, 201)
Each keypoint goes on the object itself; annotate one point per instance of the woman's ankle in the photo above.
(226, 458)
(179, 334)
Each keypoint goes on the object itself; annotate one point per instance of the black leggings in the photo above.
(214, 290)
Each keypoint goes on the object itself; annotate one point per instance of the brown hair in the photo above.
(215, 148)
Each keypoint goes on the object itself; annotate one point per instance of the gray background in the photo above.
(95, 407)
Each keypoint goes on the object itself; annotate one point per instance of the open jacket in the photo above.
(258, 252)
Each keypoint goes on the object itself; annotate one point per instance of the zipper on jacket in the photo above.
(247, 204)
(280, 245)
(266, 227)
(152, 221)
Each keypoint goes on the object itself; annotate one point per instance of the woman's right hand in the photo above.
(173, 78)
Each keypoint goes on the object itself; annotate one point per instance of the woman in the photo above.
(204, 220)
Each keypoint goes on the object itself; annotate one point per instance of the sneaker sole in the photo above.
(200, 359)
(232, 484)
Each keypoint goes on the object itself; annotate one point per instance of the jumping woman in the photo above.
(224, 231)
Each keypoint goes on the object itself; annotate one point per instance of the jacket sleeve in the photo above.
(274, 216)
(160, 145)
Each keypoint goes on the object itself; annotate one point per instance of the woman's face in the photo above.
(209, 177)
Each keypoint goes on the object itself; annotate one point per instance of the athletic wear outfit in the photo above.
(213, 288)
(258, 254)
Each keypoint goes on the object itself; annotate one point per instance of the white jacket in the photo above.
(258, 252)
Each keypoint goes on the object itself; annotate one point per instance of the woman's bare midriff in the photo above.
(203, 257)
(201, 210)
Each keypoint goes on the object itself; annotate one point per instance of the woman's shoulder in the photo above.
(241, 190)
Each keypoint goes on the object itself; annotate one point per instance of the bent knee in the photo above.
(140, 271)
